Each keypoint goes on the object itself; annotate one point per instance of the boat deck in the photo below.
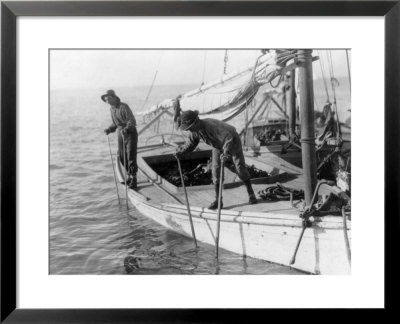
(233, 198)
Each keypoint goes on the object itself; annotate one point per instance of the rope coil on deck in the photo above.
(279, 192)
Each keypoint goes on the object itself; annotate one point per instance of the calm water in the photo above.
(90, 233)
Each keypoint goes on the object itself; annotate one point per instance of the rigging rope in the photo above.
(225, 61)
(152, 84)
(204, 67)
(333, 80)
(332, 76)
(323, 78)
(226, 97)
(348, 68)
(246, 117)
(284, 56)
(315, 100)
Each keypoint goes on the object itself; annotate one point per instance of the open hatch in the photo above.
(196, 169)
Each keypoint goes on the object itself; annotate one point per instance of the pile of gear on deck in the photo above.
(333, 163)
(198, 174)
(268, 135)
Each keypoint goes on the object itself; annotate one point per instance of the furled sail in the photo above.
(225, 98)
(228, 96)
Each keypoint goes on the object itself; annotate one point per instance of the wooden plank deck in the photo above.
(233, 198)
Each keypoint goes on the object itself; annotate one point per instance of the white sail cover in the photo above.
(225, 98)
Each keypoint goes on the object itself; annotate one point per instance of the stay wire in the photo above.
(348, 69)
(154, 79)
(334, 93)
(204, 67)
(323, 77)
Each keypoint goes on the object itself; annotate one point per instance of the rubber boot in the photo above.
(214, 205)
(252, 196)
(252, 199)
(133, 182)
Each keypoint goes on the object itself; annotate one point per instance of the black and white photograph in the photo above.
(200, 161)
(190, 161)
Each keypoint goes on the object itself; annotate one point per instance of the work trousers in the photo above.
(237, 159)
(131, 140)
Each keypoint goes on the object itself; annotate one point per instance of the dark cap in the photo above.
(188, 118)
(109, 93)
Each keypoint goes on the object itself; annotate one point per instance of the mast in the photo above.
(307, 123)
(291, 102)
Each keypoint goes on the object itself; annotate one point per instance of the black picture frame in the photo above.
(10, 11)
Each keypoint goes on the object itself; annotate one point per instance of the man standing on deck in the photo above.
(226, 145)
(125, 122)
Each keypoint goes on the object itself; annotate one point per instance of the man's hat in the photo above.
(188, 118)
(109, 93)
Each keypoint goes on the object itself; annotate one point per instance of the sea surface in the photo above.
(90, 232)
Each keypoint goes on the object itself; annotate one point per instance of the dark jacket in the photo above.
(122, 117)
(215, 133)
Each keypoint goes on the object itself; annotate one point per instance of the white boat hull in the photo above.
(322, 249)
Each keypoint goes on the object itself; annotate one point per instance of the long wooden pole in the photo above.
(303, 229)
(221, 178)
(307, 123)
(125, 176)
(307, 215)
(346, 238)
(112, 163)
(187, 202)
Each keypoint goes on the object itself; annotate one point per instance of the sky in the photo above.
(94, 69)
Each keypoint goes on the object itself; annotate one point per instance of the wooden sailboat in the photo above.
(318, 243)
